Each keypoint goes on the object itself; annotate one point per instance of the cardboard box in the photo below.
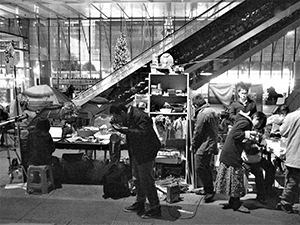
(173, 193)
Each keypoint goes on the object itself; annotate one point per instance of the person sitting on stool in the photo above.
(40, 147)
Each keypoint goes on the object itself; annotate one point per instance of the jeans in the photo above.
(263, 183)
(143, 176)
(292, 178)
(204, 171)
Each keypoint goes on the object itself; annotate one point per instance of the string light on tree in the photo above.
(122, 54)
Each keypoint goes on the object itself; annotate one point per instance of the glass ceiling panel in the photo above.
(36, 9)
(87, 10)
(114, 9)
(9, 11)
(60, 9)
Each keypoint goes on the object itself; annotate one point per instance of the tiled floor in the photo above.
(84, 204)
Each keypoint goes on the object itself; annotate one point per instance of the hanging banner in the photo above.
(9, 57)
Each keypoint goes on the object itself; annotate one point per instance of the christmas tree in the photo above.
(122, 54)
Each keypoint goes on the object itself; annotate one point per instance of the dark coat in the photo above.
(237, 106)
(141, 138)
(233, 146)
(40, 145)
(205, 135)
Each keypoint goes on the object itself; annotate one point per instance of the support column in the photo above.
(297, 76)
(45, 72)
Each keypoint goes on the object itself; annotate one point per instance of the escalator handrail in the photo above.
(85, 94)
(167, 43)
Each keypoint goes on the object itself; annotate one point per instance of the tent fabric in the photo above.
(48, 102)
(97, 105)
(43, 96)
(39, 91)
(223, 92)
(99, 100)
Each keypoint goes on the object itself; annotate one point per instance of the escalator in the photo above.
(213, 46)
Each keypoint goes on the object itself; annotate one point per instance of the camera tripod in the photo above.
(10, 141)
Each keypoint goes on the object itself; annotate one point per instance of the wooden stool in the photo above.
(40, 179)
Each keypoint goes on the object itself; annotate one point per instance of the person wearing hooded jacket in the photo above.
(40, 147)
(204, 143)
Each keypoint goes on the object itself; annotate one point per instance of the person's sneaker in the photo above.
(57, 185)
(135, 207)
(209, 197)
(152, 213)
(200, 192)
(227, 206)
(288, 208)
(243, 209)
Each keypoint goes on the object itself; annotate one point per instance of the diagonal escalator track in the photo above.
(130, 79)
(200, 46)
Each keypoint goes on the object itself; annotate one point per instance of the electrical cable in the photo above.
(183, 211)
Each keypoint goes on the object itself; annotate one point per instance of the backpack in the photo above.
(115, 182)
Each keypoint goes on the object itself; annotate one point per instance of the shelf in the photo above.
(177, 87)
(177, 82)
(159, 100)
(170, 114)
(183, 97)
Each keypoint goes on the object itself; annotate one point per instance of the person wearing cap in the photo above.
(204, 143)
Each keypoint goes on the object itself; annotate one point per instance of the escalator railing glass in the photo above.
(163, 46)
(197, 44)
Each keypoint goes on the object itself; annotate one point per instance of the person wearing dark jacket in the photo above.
(230, 176)
(143, 145)
(243, 103)
(204, 143)
(40, 147)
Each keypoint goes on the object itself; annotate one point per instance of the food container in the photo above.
(85, 133)
(165, 110)
(156, 91)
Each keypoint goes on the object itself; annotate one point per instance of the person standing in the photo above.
(276, 120)
(204, 143)
(291, 130)
(230, 174)
(262, 168)
(244, 103)
(143, 145)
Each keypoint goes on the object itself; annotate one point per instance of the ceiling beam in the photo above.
(51, 11)
(146, 9)
(74, 11)
(27, 10)
(14, 14)
(128, 17)
(99, 10)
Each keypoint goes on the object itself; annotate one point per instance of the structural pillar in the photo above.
(297, 76)
(45, 72)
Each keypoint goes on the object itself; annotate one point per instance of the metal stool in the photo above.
(40, 179)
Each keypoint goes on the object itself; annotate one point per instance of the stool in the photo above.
(40, 179)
